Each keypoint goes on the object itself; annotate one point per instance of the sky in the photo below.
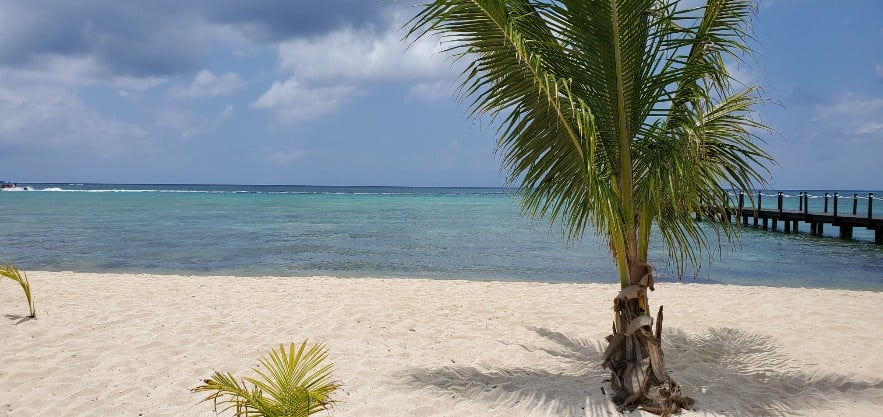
(326, 93)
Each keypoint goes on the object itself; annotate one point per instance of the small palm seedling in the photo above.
(294, 383)
(9, 271)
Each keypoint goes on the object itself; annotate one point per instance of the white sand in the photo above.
(133, 345)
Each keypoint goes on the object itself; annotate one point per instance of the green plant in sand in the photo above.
(9, 271)
(293, 383)
(620, 114)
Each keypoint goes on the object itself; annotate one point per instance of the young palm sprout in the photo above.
(294, 383)
(9, 271)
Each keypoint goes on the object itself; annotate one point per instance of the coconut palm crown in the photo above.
(619, 114)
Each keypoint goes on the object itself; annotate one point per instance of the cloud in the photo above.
(278, 20)
(208, 125)
(870, 129)
(207, 84)
(851, 119)
(434, 90)
(363, 55)
(164, 38)
(851, 105)
(46, 119)
(293, 102)
(324, 48)
(742, 74)
(118, 39)
(76, 71)
(327, 70)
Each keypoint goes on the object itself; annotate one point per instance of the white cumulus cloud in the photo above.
(293, 102)
(363, 55)
(327, 70)
(49, 118)
(851, 105)
(207, 84)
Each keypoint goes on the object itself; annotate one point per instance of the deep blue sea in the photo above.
(439, 233)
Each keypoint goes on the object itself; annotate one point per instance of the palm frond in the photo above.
(293, 383)
(228, 393)
(10, 271)
(518, 76)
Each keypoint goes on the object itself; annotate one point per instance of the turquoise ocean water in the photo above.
(440, 233)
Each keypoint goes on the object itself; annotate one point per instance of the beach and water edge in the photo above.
(423, 307)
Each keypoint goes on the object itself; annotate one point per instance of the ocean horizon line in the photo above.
(504, 187)
(221, 184)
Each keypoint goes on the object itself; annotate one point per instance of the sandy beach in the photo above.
(133, 345)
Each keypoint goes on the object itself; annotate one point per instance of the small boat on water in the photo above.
(11, 186)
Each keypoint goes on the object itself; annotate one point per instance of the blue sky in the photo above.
(324, 92)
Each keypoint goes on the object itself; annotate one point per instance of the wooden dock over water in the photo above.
(847, 220)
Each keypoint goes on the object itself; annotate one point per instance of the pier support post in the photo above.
(878, 236)
(835, 206)
(794, 227)
(826, 202)
(846, 232)
(787, 226)
(765, 223)
(820, 228)
(775, 223)
(757, 210)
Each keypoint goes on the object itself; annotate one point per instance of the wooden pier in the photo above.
(846, 220)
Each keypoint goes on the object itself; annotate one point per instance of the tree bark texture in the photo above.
(634, 356)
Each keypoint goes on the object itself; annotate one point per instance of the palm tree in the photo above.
(619, 114)
(294, 384)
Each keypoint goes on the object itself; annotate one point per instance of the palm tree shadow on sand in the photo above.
(742, 374)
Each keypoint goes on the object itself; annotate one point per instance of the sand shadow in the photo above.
(755, 376)
(17, 319)
(567, 393)
(749, 374)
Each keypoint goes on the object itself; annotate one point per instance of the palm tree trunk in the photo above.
(634, 355)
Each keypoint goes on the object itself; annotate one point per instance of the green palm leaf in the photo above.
(9, 271)
(293, 383)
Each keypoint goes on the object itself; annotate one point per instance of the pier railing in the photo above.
(858, 211)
